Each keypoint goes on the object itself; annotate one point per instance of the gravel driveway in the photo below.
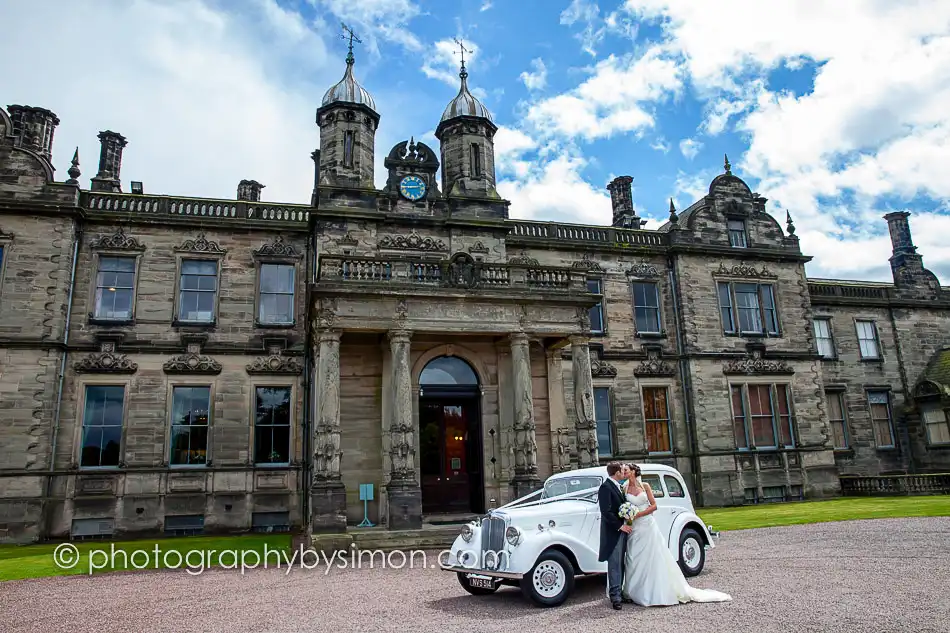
(878, 576)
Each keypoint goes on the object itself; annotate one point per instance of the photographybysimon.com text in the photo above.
(197, 561)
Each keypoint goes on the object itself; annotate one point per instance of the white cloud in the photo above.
(690, 147)
(538, 78)
(660, 145)
(386, 20)
(486, 5)
(444, 62)
(612, 100)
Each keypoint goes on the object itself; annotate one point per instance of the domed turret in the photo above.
(348, 121)
(466, 134)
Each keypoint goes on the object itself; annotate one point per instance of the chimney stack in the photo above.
(249, 190)
(621, 199)
(34, 128)
(904, 253)
(110, 162)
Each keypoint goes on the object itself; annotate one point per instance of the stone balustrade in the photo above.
(848, 291)
(936, 484)
(396, 270)
(195, 207)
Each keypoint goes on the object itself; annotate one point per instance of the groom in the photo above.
(613, 531)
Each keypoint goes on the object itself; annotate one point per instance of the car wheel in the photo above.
(692, 553)
(550, 581)
(476, 591)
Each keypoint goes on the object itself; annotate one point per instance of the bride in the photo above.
(651, 575)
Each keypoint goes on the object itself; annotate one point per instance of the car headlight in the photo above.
(513, 535)
(467, 533)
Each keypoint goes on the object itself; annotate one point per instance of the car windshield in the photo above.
(564, 485)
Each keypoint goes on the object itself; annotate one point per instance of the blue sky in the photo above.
(836, 112)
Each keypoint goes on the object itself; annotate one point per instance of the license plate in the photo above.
(481, 582)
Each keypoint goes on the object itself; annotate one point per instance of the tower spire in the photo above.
(348, 34)
(462, 73)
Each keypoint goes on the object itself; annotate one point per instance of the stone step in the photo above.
(429, 537)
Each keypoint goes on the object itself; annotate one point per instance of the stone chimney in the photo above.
(34, 128)
(621, 199)
(249, 190)
(904, 253)
(110, 162)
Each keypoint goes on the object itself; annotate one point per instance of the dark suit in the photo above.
(612, 540)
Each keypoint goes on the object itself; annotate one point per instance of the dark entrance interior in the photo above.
(450, 438)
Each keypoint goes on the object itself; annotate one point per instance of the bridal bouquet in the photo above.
(628, 511)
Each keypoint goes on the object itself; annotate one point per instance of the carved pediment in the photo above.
(478, 247)
(602, 369)
(654, 365)
(200, 245)
(347, 240)
(744, 270)
(275, 364)
(105, 362)
(118, 241)
(523, 260)
(278, 248)
(643, 270)
(192, 361)
(753, 363)
(412, 242)
(588, 264)
(462, 271)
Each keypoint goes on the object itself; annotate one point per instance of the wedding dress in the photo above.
(651, 575)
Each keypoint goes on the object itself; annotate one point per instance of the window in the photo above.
(348, 148)
(476, 161)
(839, 433)
(826, 345)
(879, 402)
(747, 308)
(674, 486)
(102, 426)
(761, 416)
(555, 487)
(191, 417)
(646, 308)
(277, 283)
(199, 285)
(115, 282)
(605, 444)
(268, 522)
(596, 313)
(938, 425)
(772, 494)
(184, 525)
(654, 482)
(737, 234)
(656, 413)
(867, 339)
(272, 425)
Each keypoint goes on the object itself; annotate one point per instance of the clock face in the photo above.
(412, 188)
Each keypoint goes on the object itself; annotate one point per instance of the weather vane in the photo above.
(463, 50)
(351, 37)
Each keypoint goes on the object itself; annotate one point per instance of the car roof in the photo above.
(601, 471)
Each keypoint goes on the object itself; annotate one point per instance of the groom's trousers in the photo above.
(615, 569)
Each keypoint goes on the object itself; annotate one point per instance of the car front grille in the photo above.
(493, 540)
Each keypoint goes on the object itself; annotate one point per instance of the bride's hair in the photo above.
(636, 472)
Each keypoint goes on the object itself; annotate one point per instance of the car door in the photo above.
(676, 498)
(665, 512)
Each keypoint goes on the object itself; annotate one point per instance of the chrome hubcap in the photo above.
(549, 579)
(691, 552)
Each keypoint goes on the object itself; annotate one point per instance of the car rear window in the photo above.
(654, 481)
(564, 485)
(673, 485)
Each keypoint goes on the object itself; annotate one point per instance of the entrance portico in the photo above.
(457, 401)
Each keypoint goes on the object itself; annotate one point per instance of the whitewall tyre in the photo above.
(692, 553)
(550, 581)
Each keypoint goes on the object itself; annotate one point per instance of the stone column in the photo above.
(560, 433)
(403, 491)
(525, 446)
(328, 494)
(584, 402)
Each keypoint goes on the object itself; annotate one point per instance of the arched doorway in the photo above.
(450, 438)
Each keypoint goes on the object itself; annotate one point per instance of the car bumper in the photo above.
(480, 572)
(713, 535)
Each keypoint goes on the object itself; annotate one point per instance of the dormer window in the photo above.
(737, 234)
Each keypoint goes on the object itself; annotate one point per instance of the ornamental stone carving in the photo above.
(192, 363)
(275, 364)
(278, 248)
(326, 314)
(654, 365)
(118, 241)
(744, 270)
(643, 270)
(562, 443)
(523, 260)
(347, 240)
(462, 271)
(601, 369)
(588, 264)
(753, 363)
(478, 247)
(412, 242)
(105, 362)
(200, 245)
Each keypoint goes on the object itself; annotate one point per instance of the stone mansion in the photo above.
(176, 365)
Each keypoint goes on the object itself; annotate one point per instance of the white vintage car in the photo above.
(540, 542)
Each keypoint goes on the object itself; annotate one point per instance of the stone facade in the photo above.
(178, 365)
